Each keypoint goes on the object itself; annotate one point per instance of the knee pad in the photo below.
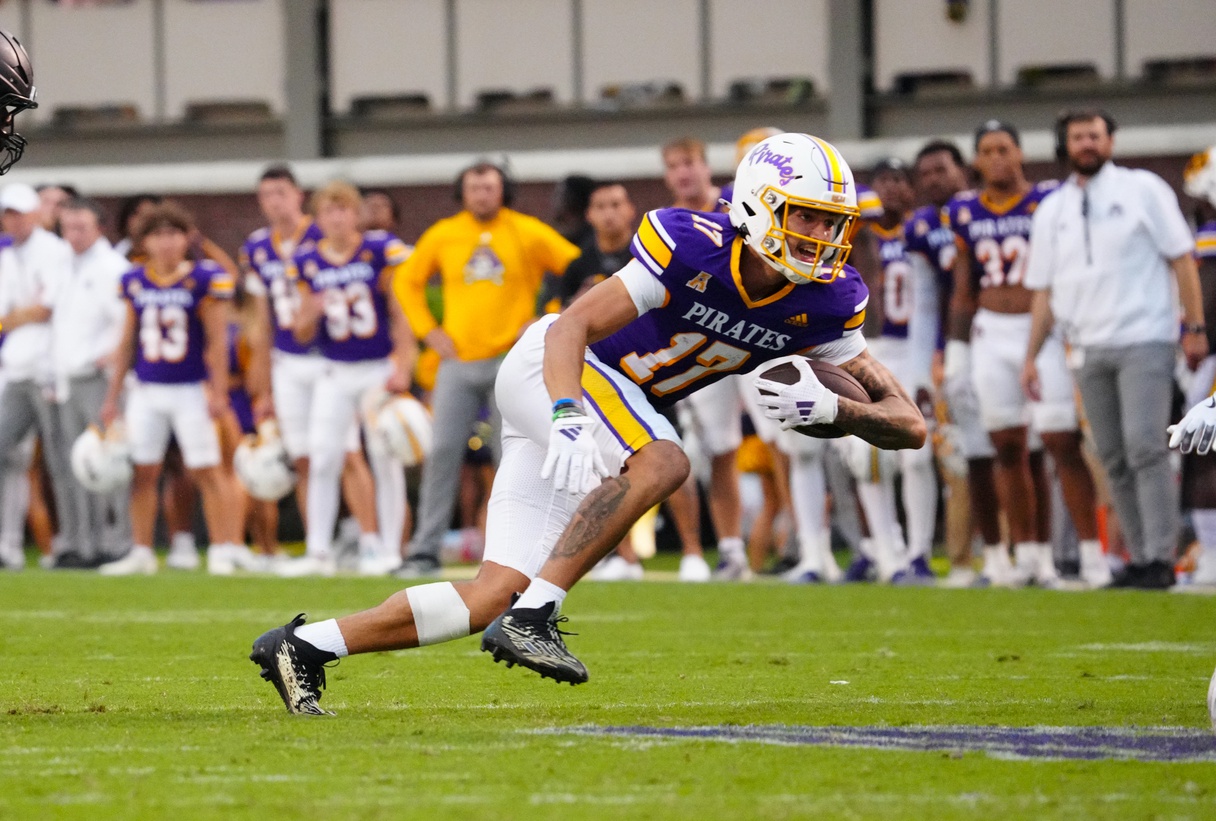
(440, 614)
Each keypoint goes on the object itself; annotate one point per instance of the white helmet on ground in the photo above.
(262, 464)
(1199, 178)
(792, 170)
(405, 427)
(102, 463)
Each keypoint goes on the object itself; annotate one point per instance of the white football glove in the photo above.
(806, 402)
(1196, 430)
(573, 461)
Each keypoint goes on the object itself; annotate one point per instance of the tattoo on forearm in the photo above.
(890, 420)
(588, 526)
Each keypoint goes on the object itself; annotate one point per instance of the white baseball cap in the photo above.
(17, 196)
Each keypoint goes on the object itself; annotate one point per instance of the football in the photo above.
(838, 381)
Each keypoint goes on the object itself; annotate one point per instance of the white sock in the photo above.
(389, 476)
(370, 544)
(878, 502)
(14, 506)
(866, 548)
(731, 547)
(810, 557)
(920, 505)
(324, 635)
(324, 479)
(1026, 554)
(995, 558)
(808, 489)
(1089, 548)
(142, 548)
(540, 593)
(182, 542)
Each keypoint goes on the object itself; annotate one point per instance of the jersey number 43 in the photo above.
(163, 333)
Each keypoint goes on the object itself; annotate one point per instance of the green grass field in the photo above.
(133, 698)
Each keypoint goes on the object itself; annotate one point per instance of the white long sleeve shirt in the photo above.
(30, 275)
(88, 317)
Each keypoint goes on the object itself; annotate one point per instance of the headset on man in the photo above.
(481, 166)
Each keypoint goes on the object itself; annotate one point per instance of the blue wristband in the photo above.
(567, 407)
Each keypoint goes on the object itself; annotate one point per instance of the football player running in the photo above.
(344, 280)
(585, 452)
(989, 335)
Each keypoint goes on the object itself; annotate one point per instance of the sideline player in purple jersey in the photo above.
(706, 295)
(344, 280)
(910, 360)
(991, 309)
(294, 368)
(176, 339)
(941, 174)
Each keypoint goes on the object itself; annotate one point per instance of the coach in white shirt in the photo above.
(1110, 260)
(87, 325)
(30, 275)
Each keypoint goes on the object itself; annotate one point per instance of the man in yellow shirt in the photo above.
(491, 261)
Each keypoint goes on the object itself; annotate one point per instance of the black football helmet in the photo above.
(17, 93)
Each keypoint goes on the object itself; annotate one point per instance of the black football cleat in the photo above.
(294, 667)
(531, 637)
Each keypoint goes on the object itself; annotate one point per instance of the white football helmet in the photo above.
(1199, 178)
(789, 170)
(262, 464)
(102, 463)
(405, 427)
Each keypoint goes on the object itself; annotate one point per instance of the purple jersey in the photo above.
(896, 281)
(928, 233)
(1205, 241)
(170, 339)
(267, 255)
(709, 327)
(356, 319)
(997, 237)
